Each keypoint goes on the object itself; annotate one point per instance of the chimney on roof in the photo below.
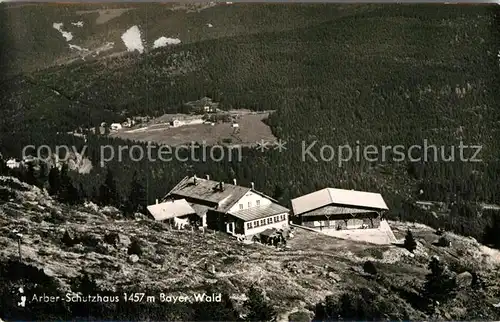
(234, 182)
(194, 179)
(253, 185)
(156, 201)
(208, 177)
(221, 186)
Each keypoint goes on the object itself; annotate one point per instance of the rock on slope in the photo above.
(63, 241)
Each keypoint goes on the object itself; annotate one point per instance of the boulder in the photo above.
(156, 266)
(464, 279)
(104, 249)
(334, 276)
(78, 248)
(90, 205)
(124, 240)
(111, 211)
(133, 259)
(138, 216)
(210, 268)
(304, 316)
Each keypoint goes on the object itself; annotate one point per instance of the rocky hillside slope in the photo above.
(60, 243)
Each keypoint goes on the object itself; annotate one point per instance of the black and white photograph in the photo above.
(249, 161)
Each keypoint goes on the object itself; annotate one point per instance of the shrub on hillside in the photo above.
(364, 304)
(215, 311)
(444, 242)
(112, 238)
(492, 232)
(370, 268)
(89, 240)
(68, 239)
(135, 248)
(258, 307)
(299, 316)
(440, 284)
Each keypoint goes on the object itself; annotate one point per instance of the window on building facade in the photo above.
(258, 202)
(249, 225)
(263, 222)
(269, 221)
(249, 204)
(256, 223)
(241, 206)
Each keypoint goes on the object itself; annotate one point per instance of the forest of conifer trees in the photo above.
(385, 76)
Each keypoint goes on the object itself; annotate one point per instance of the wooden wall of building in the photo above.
(352, 223)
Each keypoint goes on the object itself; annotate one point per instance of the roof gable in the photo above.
(340, 197)
(170, 209)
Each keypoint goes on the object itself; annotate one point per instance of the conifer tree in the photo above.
(215, 311)
(410, 243)
(29, 174)
(137, 200)
(108, 194)
(440, 285)
(68, 193)
(54, 181)
(4, 170)
(259, 309)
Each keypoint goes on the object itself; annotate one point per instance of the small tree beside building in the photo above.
(410, 243)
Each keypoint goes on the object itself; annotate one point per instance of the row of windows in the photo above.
(267, 221)
(257, 203)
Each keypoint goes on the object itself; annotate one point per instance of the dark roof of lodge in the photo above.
(206, 190)
(259, 212)
(334, 210)
(200, 209)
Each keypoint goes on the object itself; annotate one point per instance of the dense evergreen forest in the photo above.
(382, 75)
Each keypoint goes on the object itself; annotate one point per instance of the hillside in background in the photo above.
(88, 249)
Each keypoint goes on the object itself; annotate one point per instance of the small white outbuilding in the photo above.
(116, 126)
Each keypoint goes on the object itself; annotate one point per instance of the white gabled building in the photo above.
(13, 163)
(116, 126)
(176, 123)
(230, 208)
